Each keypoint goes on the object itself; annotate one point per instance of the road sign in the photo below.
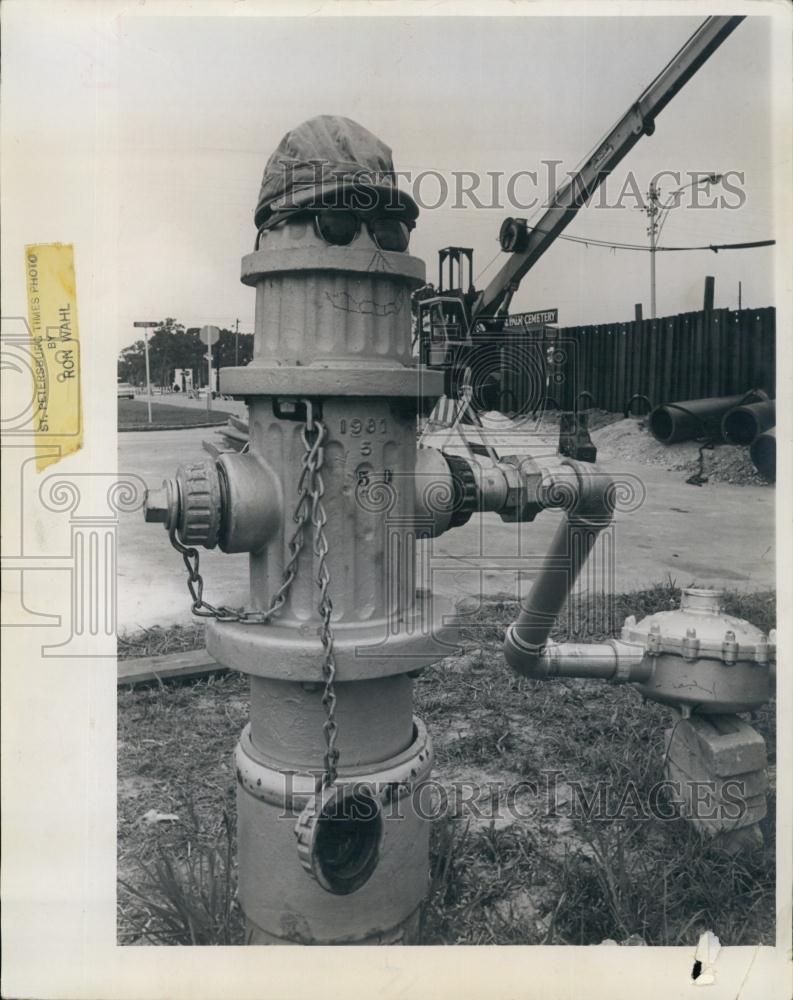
(538, 318)
(147, 324)
(209, 335)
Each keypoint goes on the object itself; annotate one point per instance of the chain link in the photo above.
(309, 507)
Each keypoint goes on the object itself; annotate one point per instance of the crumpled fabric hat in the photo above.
(331, 162)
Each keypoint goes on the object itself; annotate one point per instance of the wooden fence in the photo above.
(688, 356)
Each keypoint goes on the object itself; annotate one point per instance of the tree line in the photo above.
(172, 346)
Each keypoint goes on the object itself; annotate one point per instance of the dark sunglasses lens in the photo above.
(337, 228)
(390, 234)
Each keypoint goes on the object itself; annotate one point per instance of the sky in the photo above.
(199, 103)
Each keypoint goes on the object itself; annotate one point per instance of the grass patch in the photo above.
(553, 876)
(133, 416)
(157, 641)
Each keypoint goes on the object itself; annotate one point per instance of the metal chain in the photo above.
(325, 607)
(309, 506)
(195, 582)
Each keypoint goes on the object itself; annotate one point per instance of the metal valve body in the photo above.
(703, 659)
(332, 327)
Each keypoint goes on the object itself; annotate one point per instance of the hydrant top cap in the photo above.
(331, 162)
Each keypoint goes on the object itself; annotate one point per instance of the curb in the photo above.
(171, 427)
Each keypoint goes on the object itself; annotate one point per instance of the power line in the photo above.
(715, 247)
(487, 266)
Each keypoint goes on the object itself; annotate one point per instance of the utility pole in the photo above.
(658, 214)
(236, 343)
(653, 209)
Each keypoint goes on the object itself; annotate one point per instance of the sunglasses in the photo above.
(339, 228)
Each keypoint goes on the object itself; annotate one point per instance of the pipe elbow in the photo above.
(525, 658)
(587, 497)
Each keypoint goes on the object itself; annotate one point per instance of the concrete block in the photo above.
(729, 745)
(698, 752)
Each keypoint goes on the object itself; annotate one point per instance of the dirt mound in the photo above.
(631, 441)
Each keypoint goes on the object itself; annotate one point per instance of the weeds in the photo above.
(188, 897)
(538, 880)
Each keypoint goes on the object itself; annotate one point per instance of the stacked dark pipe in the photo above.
(748, 419)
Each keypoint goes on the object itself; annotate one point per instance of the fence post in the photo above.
(710, 288)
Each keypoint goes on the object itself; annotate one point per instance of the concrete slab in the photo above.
(714, 534)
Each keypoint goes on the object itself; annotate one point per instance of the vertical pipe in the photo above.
(571, 544)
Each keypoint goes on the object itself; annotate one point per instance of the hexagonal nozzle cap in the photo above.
(156, 507)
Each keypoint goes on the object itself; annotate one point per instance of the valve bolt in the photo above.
(729, 648)
(690, 645)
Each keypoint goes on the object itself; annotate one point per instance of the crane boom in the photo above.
(637, 121)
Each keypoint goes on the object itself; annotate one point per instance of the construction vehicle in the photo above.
(455, 323)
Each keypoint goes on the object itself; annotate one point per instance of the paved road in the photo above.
(717, 534)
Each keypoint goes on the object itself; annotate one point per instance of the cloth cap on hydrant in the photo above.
(331, 162)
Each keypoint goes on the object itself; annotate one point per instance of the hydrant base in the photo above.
(404, 933)
(281, 900)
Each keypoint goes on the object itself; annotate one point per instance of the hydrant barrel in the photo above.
(332, 394)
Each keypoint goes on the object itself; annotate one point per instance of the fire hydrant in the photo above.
(331, 849)
(329, 500)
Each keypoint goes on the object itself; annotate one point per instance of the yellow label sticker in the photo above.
(55, 351)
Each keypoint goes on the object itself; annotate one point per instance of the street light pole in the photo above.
(146, 325)
(148, 375)
(236, 343)
(658, 214)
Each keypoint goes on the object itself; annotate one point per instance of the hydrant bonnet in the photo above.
(331, 162)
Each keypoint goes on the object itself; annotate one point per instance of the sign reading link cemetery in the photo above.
(518, 321)
(539, 318)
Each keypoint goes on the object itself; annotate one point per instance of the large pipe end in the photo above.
(662, 425)
(739, 426)
(763, 453)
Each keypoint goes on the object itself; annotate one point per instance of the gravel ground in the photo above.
(631, 441)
